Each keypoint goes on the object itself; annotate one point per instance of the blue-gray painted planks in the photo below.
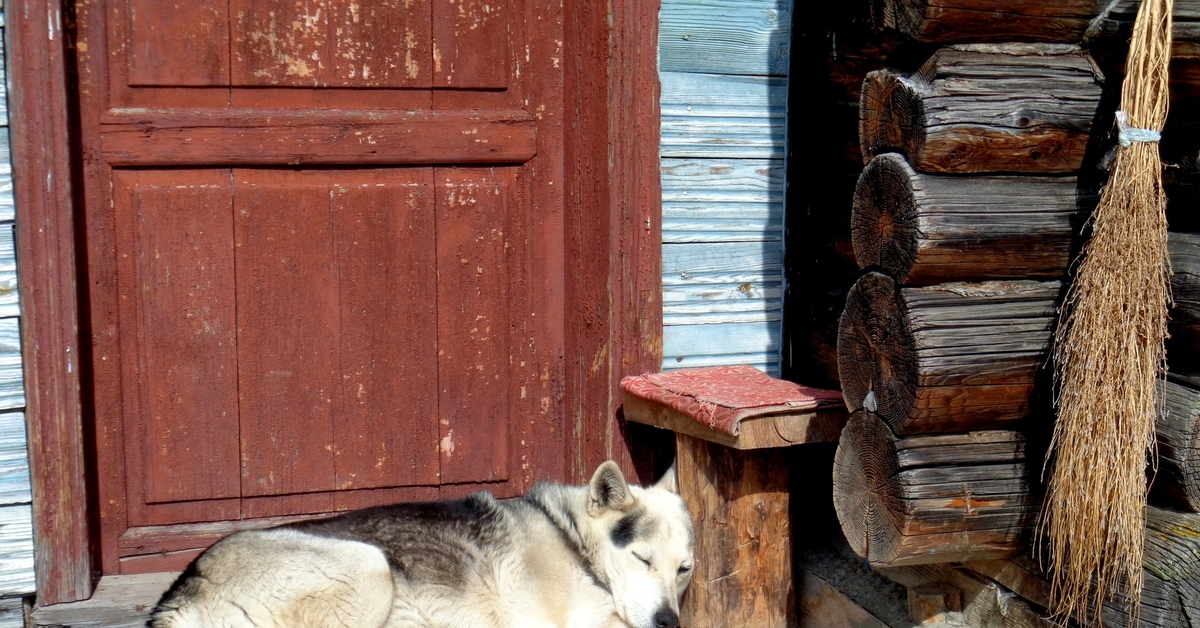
(710, 115)
(8, 272)
(712, 345)
(715, 200)
(16, 514)
(16, 550)
(723, 70)
(14, 460)
(748, 37)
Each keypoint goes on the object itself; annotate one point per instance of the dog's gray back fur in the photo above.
(559, 556)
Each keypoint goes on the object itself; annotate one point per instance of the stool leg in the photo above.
(739, 503)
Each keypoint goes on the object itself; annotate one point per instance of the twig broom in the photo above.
(1108, 354)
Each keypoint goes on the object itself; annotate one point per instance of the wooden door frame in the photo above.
(612, 245)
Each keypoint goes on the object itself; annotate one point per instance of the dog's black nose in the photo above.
(666, 618)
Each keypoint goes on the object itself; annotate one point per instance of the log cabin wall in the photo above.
(910, 32)
(16, 520)
(723, 68)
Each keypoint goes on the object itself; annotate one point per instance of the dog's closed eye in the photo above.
(645, 560)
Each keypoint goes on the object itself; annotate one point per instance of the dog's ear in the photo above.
(608, 490)
(669, 481)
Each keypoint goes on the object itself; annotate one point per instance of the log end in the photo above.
(876, 359)
(930, 499)
(891, 115)
(883, 220)
(863, 464)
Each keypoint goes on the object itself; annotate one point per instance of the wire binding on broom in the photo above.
(1108, 355)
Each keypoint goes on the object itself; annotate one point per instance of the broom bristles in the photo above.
(1108, 355)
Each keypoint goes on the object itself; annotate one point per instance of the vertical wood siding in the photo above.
(16, 518)
(723, 69)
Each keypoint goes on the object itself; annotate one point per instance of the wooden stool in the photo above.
(737, 489)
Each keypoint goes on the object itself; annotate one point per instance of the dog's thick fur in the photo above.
(605, 555)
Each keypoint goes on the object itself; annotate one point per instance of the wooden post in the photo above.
(923, 229)
(987, 20)
(944, 358)
(739, 502)
(1010, 108)
(930, 499)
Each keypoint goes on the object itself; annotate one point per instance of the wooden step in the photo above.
(119, 602)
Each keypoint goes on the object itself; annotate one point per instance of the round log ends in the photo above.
(883, 224)
(876, 358)
(863, 464)
(930, 499)
(891, 116)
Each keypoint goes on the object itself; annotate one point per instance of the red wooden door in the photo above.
(324, 252)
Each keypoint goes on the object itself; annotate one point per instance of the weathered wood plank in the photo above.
(119, 602)
(756, 344)
(709, 115)
(722, 200)
(139, 138)
(924, 229)
(749, 37)
(1010, 108)
(985, 604)
(9, 294)
(891, 517)
(721, 279)
(7, 208)
(48, 228)
(946, 358)
(823, 605)
(760, 432)
(14, 460)
(12, 382)
(986, 20)
(1177, 432)
(1184, 346)
(16, 550)
(12, 612)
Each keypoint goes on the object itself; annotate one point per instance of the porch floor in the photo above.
(119, 602)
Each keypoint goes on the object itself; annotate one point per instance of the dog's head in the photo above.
(646, 555)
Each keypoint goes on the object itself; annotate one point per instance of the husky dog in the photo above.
(605, 555)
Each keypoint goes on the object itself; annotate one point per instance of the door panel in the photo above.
(470, 44)
(182, 317)
(319, 218)
(158, 30)
(287, 333)
(473, 321)
(388, 323)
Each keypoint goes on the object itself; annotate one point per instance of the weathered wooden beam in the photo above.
(1117, 21)
(946, 21)
(990, 108)
(1177, 432)
(924, 229)
(1170, 593)
(951, 357)
(1184, 346)
(930, 499)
